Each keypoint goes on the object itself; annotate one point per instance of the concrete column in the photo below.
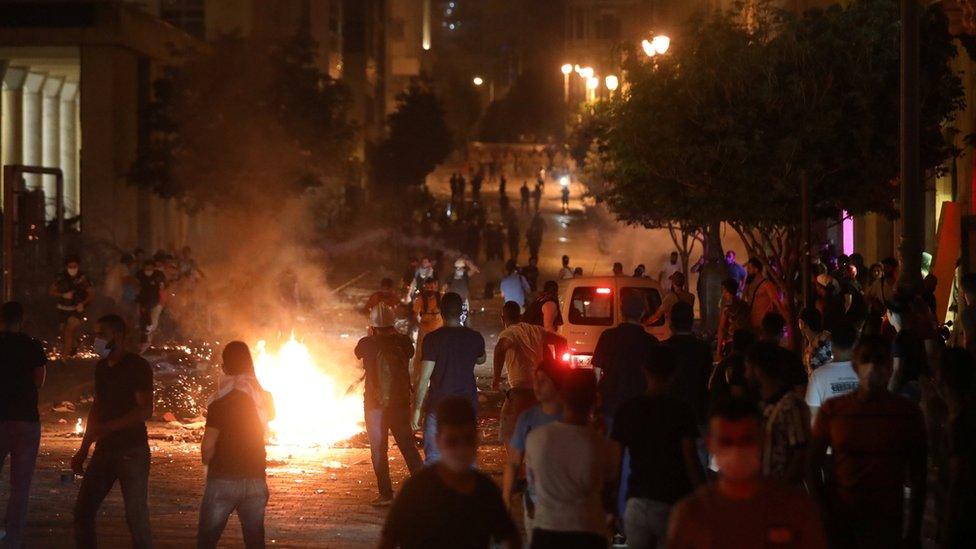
(33, 124)
(13, 115)
(69, 147)
(51, 141)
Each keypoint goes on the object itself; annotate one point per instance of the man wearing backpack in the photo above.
(386, 358)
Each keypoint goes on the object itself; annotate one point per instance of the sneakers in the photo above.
(382, 501)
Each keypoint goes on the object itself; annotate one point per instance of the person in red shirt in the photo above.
(879, 445)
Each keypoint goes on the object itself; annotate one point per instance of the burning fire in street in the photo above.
(312, 407)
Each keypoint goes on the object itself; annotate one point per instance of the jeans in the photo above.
(431, 453)
(20, 439)
(646, 523)
(221, 497)
(548, 539)
(131, 467)
(380, 422)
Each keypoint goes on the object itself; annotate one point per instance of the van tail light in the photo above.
(603, 291)
(567, 357)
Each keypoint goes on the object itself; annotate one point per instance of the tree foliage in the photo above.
(722, 127)
(418, 138)
(244, 124)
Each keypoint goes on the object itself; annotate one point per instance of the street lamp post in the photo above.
(658, 45)
(592, 83)
(612, 83)
(567, 69)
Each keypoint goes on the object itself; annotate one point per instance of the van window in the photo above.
(652, 298)
(590, 307)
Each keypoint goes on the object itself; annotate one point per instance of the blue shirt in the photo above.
(528, 420)
(514, 287)
(454, 351)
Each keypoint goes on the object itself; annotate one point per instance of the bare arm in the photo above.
(512, 466)
(208, 446)
(423, 384)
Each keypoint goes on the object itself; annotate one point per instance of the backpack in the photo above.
(390, 364)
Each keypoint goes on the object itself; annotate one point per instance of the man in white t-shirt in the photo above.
(571, 467)
(566, 272)
(670, 266)
(834, 378)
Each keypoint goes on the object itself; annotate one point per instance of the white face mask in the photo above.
(738, 462)
(73, 271)
(101, 347)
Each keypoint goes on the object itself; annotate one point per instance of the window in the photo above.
(652, 299)
(591, 306)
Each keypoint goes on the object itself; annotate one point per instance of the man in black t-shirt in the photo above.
(74, 292)
(117, 426)
(386, 363)
(151, 285)
(659, 431)
(21, 374)
(233, 451)
(450, 504)
(450, 354)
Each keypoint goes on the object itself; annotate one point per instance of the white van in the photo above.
(590, 305)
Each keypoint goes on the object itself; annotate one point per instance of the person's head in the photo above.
(730, 289)
(149, 266)
(236, 359)
(12, 315)
(511, 313)
(673, 258)
(386, 284)
(565, 261)
(457, 433)
(734, 439)
(753, 266)
(843, 337)
(109, 334)
(764, 364)
(773, 327)
(890, 267)
(877, 271)
(872, 362)
(547, 378)
(382, 318)
(451, 307)
(856, 259)
(930, 282)
(618, 268)
(730, 257)
(659, 367)
(578, 271)
(430, 284)
(511, 266)
(682, 317)
(633, 306)
(955, 375)
(425, 263)
(811, 319)
(578, 392)
(639, 270)
(460, 266)
(551, 287)
(678, 280)
(72, 265)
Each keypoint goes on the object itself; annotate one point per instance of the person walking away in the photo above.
(817, 348)
(427, 315)
(544, 310)
(115, 279)
(761, 294)
(659, 431)
(514, 287)
(879, 444)
(152, 282)
(513, 234)
(547, 378)
(533, 235)
(694, 366)
(670, 266)
(909, 356)
(450, 354)
(785, 417)
(520, 348)
(531, 273)
(232, 450)
(735, 271)
(537, 198)
(525, 194)
(564, 199)
(74, 292)
(741, 508)
(22, 372)
(116, 425)
(735, 316)
(502, 186)
(386, 399)
(566, 272)
(837, 377)
(955, 379)
(450, 503)
(572, 469)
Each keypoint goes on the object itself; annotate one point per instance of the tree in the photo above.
(418, 138)
(722, 128)
(244, 125)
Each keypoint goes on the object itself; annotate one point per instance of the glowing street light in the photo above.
(586, 73)
(592, 83)
(661, 43)
(648, 48)
(567, 70)
(612, 82)
(478, 80)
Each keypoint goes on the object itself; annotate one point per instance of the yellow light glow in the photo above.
(661, 43)
(592, 83)
(310, 407)
(612, 82)
(567, 68)
(478, 80)
(648, 48)
(586, 73)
